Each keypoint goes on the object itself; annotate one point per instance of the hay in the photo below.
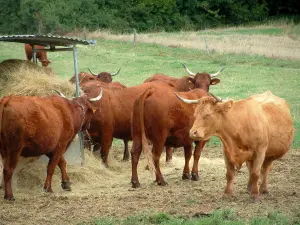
(21, 77)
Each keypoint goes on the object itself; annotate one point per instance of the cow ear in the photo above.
(226, 106)
(191, 80)
(214, 81)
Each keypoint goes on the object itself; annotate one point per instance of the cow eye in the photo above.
(206, 116)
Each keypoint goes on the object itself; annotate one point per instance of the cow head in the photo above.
(105, 76)
(87, 109)
(202, 80)
(208, 115)
(45, 62)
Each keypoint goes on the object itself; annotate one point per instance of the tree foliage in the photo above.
(58, 17)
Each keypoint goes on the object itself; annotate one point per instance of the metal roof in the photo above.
(45, 40)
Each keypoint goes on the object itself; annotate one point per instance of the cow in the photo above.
(103, 76)
(159, 117)
(35, 126)
(96, 84)
(41, 56)
(194, 80)
(256, 130)
(186, 83)
(113, 117)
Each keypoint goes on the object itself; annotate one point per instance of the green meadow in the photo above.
(244, 74)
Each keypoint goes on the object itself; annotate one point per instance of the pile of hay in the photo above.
(22, 77)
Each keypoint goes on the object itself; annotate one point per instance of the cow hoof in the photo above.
(66, 185)
(125, 159)
(255, 197)
(265, 192)
(135, 184)
(227, 196)
(48, 190)
(9, 198)
(162, 183)
(186, 176)
(195, 177)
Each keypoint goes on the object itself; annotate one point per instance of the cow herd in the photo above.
(163, 112)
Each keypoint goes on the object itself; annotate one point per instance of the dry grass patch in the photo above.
(282, 46)
(21, 77)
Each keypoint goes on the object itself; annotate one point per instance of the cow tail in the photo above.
(3, 102)
(139, 123)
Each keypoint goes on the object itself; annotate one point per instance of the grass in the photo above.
(245, 74)
(226, 217)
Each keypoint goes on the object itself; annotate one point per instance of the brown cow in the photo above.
(95, 85)
(186, 83)
(103, 76)
(159, 117)
(41, 56)
(35, 126)
(256, 130)
(113, 118)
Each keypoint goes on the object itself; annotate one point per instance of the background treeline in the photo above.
(60, 16)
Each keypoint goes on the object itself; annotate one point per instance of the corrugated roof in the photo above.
(45, 40)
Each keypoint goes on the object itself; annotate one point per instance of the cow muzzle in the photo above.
(196, 134)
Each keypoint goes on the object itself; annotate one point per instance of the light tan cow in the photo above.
(256, 130)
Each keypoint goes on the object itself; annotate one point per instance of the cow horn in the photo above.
(97, 98)
(187, 100)
(59, 93)
(217, 73)
(92, 72)
(187, 70)
(116, 73)
(215, 97)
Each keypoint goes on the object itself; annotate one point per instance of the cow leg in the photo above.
(9, 166)
(106, 142)
(65, 180)
(197, 153)
(157, 151)
(53, 162)
(126, 152)
(249, 166)
(255, 172)
(136, 150)
(169, 152)
(266, 168)
(187, 157)
(229, 177)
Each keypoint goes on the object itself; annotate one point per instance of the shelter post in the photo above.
(80, 134)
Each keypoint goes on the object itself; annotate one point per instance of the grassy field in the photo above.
(272, 62)
(245, 74)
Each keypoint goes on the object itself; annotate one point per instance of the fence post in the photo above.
(134, 37)
(206, 46)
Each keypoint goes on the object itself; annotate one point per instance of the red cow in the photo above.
(186, 83)
(94, 85)
(103, 76)
(159, 117)
(35, 126)
(113, 117)
(41, 56)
